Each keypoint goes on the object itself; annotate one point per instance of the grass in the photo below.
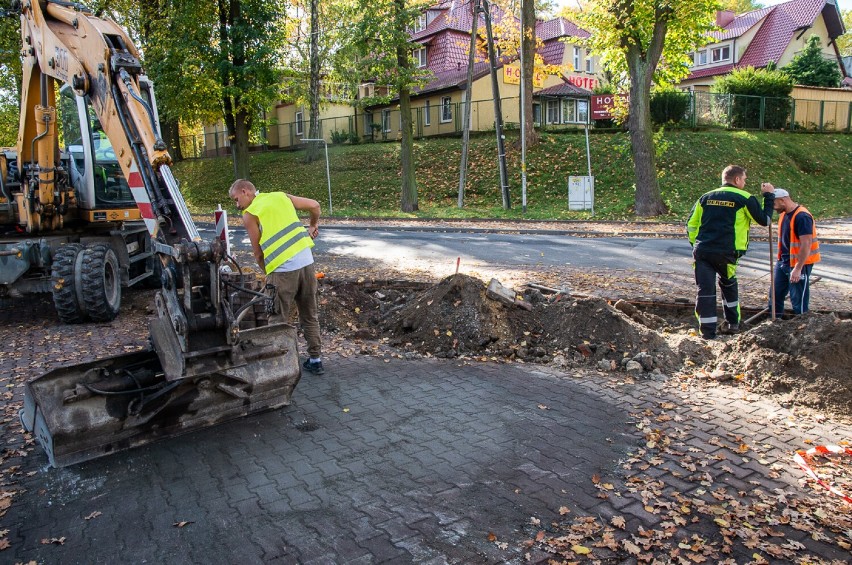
(816, 169)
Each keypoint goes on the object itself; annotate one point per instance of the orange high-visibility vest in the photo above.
(795, 244)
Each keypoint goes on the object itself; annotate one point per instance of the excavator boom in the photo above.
(212, 355)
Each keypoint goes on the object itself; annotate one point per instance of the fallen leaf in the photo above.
(596, 478)
(539, 536)
(563, 510)
(631, 547)
(542, 407)
(4, 544)
(619, 522)
(94, 514)
(492, 536)
(580, 550)
(57, 541)
(181, 524)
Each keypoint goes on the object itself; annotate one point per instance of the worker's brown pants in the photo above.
(299, 287)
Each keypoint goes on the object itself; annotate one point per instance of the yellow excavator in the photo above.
(105, 211)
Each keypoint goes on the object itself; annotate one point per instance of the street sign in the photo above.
(581, 193)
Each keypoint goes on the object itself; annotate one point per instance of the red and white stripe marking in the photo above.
(221, 217)
(803, 458)
(143, 201)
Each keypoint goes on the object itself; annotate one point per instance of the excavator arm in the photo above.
(212, 356)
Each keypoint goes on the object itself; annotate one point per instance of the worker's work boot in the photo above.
(314, 367)
(728, 328)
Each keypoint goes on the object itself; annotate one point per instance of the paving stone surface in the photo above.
(394, 461)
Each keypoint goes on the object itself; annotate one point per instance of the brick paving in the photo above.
(400, 461)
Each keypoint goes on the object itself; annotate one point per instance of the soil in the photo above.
(803, 361)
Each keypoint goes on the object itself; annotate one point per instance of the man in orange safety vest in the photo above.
(798, 250)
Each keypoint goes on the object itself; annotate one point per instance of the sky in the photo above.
(842, 4)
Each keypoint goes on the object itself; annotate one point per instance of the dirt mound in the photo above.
(804, 360)
(452, 317)
(456, 317)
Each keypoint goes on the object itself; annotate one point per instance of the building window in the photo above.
(720, 53)
(386, 120)
(553, 111)
(300, 126)
(536, 113)
(446, 109)
(574, 111)
(420, 57)
(576, 58)
(590, 64)
(701, 58)
(421, 23)
(427, 114)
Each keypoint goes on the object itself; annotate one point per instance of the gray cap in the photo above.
(781, 193)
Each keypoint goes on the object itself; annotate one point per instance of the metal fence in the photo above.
(703, 110)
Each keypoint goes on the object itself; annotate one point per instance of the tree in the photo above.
(811, 68)
(740, 6)
(381, 39)
(528, 44)
(633, 37)
(219, 55)
(844, 42)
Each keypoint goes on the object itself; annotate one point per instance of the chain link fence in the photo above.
(704, 110)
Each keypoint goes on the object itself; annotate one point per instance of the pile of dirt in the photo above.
(456, 317)
(804, 361)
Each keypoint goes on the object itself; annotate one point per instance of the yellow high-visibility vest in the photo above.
(282, 233)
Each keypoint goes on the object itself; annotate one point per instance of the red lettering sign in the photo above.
(602, 105)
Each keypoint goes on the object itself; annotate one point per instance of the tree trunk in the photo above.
(171, 135)
(240, 146)
(648, 201)
(312, 153)
(409, 181)
(528, 46)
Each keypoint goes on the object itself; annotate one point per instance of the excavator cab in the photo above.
(93, 166)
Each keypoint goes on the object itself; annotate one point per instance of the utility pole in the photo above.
(498, 112)
(467, 106)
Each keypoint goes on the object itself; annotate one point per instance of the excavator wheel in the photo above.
(64, 283)
(101, 280)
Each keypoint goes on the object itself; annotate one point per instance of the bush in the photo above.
(810, 67)
(668, 105)
(339, 137)
(354, 138)
(748, 86)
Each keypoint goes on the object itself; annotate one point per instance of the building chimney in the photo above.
(724, 17)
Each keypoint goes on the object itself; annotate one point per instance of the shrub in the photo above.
(668, 105)
(339, 137)
(810, 67)
(354, 138)
(748, 86)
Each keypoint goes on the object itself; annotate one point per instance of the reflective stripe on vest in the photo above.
(795, 243)
(282, 234)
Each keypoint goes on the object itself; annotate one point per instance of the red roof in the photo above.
(779, 25)
(564, 89)
(448, 39)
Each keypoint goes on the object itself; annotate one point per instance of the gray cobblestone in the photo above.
(432, 456)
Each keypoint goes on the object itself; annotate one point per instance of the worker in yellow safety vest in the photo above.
(282, 248)
(798, 250)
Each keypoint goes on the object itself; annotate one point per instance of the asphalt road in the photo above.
(437, 251)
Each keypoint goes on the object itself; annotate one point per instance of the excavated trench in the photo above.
(803, 360)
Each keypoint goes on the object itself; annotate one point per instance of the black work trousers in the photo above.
(709, 267)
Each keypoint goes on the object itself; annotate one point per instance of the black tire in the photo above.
(101, 288)
(64, 284)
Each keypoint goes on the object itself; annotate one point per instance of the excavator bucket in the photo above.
(85, 411)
